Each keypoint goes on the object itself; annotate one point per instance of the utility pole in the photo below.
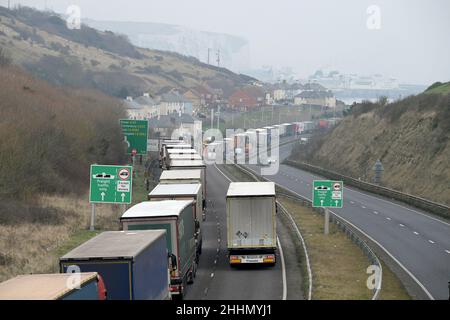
(208, 54)
(218, 117)
(218, 57)
(212, 118)
(9, 5)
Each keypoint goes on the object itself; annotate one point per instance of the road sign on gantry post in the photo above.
(110, 184)
(136, 134)
(327, 193)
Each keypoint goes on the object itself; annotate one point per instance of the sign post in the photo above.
(326, 194)
(92, 228)
(110, 184)
(136, 133)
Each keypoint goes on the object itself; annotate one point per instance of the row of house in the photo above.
(300, 94)
(148, 107)
(192, 101)
(244, 98)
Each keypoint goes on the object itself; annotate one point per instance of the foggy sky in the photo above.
(412, 45)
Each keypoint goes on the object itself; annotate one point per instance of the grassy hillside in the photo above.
(410, 137)
(41, 42)
(51, 135)
(439, 88)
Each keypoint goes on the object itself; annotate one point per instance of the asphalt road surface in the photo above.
(216, 280)
(419, 241)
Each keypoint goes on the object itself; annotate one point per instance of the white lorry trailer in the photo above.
(190, 164)
(251, 225)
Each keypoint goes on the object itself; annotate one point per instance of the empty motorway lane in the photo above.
(420, 242)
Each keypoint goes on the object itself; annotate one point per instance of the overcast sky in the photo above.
(412, 43)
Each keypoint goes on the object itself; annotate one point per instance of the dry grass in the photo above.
(338, 265)
(35, 247)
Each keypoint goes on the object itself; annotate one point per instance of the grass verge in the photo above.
(34, 246)
(338, 265)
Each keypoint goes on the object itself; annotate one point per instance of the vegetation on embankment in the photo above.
(410, 137)
(50, 136)
(41, 232)
(439, 88)
(339, 267)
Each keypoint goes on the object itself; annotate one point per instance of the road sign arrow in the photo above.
(123, 197)
(336, 202)
(321, 202)
(103, 196)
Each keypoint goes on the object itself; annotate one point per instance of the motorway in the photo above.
(215, 279)
(418, 241)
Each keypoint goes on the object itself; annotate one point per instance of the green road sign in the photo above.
(327, 193)
(135, 132)
(111, 184)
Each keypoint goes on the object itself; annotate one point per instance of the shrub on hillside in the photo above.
(51, 135)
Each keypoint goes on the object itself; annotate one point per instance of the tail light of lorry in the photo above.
(269, 259)
(235, 259)
(175, 288)
(101, 288)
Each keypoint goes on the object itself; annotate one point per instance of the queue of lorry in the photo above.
(156, 254)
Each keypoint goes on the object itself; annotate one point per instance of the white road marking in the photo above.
(448, 251)
(283, 270)
(401, 225)
(376, 242)
(363, 207)
(388, 218)
(416, 233)
(431, 241)
(283, 267)
(376, 212)
(399, 205)
(212, 275)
